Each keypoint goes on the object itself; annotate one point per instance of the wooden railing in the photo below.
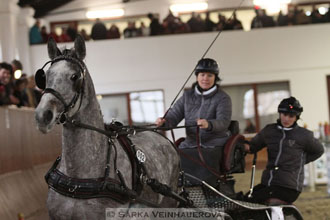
(22, 146)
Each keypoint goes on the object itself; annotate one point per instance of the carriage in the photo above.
(116, 166)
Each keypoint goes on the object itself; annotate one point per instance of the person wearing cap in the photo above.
(205, 105)
(289, 148)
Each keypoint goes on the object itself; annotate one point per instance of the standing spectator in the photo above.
(221, 25)
(249, 127)
(234, 24)
(143, 30)
(84, 34)
(72, 31)
(99, 31)
(282, 20)
(196, 23)
(301, 17)
(6, 88)
(155, 27)
(113, 32)
(64, 37)
(35, 35)
(44, 34)
(209, 24)
(53, 34)
(131, 30)
(256, 21)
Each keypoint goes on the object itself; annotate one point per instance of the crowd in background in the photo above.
(173, 25)
(21, 91)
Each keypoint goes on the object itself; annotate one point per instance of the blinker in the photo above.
(40, 79)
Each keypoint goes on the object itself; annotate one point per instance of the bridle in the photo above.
(71, 108)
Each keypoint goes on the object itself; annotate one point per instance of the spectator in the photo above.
(143, 30)
(155, 27)
(267, 21)
(113, 32)
(131, 30)
(256, 21)
(234, 24)
(282, 20)
(170, 24)
(35, 35)
(181, 27)
(301, 17)
(53, 34)
(249, 127)
(209, 24)
(6, 88)
(196, 23)
(316, 16)
(64, 37)
(84, 34)
(32, 92)
(221, 25)
(99, 31)
(44, 34)
(20, 91)
(72, 31)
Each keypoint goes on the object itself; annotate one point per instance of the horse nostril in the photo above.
(48, 116)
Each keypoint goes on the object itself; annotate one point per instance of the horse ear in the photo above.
(80, 48)
(53, 51)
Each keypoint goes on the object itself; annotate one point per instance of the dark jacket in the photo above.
(289, 149)
(213, 105)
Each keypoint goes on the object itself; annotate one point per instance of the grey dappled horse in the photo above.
(84, 151)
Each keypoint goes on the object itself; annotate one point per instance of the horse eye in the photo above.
(74, 77)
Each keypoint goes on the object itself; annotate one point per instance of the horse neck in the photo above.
(84, 151)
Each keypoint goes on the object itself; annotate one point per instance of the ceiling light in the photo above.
(198, 6)
(105, 13)
(272, 6)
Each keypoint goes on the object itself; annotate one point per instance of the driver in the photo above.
(205, 105)
(289, 148)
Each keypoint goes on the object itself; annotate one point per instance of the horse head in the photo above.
(63, 84)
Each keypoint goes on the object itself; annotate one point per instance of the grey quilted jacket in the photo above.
(213, 105)
(289, 149)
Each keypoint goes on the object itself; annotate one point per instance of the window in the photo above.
(133, 108)
(256, 103)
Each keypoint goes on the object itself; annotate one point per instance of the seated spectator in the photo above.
(113, 32)
(6, 88)
(99, 31)
(35, 35)
(131, 30)
(282, 20)
(19, 91)
(32, 92)
(155, 27)
(84, 34)
(44, 34)
(267, 21)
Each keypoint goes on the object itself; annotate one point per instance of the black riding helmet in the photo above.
(207, 65)
(290, 105)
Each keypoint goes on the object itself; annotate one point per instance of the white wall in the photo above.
(297, 54)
